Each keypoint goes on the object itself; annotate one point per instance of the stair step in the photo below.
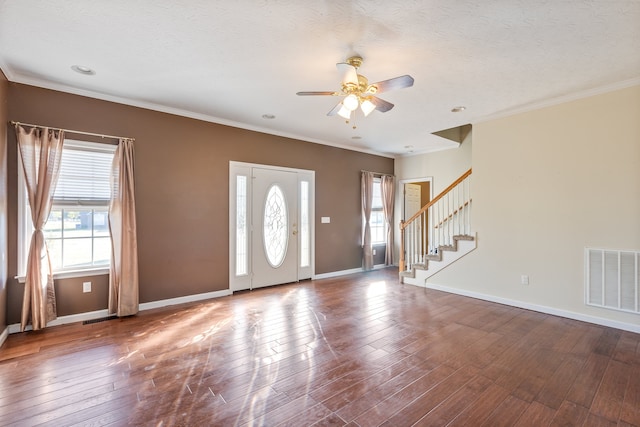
(411, 273)
(463, 237)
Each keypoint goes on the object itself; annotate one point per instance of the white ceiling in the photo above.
(231, 62)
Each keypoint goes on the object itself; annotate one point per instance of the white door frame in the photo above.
(401, 184)
(244, 171)
(399, 207)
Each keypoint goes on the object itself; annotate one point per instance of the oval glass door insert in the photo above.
(275, 226)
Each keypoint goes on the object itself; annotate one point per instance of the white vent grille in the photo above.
(611, 279)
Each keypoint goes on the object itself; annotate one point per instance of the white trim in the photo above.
(183, 113)
(4, 335)
(430, 150)
(63, 320)
(400, 190)
(535, 307)
(181, 300)
(80, 317)
(561, 100)
(70, 274)
(346, 272)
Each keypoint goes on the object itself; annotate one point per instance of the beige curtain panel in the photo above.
(366, 187)
(123, 275)
(40, 152)
(388, 193)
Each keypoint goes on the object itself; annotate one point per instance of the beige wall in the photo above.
(443, 167)
(546, 184)
(182, 182)
(3, 201)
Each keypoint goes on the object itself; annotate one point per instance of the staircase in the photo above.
(438, 234)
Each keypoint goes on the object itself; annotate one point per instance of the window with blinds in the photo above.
(85, 168)
(77, 229)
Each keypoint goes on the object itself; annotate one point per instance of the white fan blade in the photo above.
(335, 109)
(391, 84)
(348, 73)
(381, 105)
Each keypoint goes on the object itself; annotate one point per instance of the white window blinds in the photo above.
(85, 168)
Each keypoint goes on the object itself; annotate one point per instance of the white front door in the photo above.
(271, 225)
(275, 228)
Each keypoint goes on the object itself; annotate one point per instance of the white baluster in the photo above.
(423, 235)
(469, 205)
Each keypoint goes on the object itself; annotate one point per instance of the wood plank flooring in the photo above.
(360, 350)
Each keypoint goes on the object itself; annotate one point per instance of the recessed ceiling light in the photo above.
(458, 109)
(83, 70)
(268, 116)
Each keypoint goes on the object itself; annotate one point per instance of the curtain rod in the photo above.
(73, 131)
(377, 173)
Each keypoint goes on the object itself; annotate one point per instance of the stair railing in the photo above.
(432, 228)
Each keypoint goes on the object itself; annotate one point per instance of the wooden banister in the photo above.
(451, 215)
(404, 224)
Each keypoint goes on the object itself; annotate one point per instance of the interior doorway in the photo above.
(415, 194)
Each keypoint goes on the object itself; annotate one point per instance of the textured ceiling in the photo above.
(231, 62)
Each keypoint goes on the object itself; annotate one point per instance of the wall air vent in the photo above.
(611, 279)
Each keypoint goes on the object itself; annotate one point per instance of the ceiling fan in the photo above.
(358, 92)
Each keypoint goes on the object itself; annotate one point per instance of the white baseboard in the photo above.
(63, 320)
(4, 335)
(535, 307)
(346, 272)
(182, 300)
(81, 317)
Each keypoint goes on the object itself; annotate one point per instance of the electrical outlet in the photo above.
(524, 279)
(374, 251)
(86, 287)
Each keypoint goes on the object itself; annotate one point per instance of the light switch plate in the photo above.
(325, 219)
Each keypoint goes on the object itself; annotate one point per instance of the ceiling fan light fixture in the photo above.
(357, 92)
(367, 107)
(344, 112)
(351, 102)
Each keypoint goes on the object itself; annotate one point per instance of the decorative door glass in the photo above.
(275, 230)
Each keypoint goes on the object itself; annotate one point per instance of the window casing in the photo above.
(77, 230)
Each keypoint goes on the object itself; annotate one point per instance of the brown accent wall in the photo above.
(182, 193)
(4, 86)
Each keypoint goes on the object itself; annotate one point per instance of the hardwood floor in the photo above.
(360, 350)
